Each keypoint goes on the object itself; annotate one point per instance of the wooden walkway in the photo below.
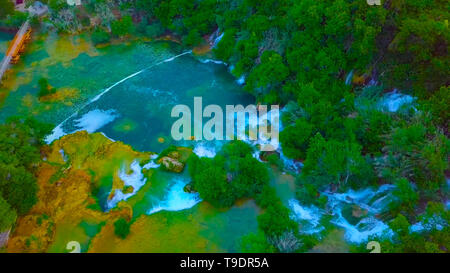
(16, 47)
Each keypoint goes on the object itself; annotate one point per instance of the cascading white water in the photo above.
(136, 180)
(370, 202)
(394, 100)
(176, 198)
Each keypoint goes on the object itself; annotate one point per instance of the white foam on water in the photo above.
(57, 133)
(241, 80)
(64, 156)
(310, 214)
(290, 164)
(394, 100)
(217, 40)
(349, 78)
(257, 154)
(205, 61)
(95, 119)
(96, 98)
(368, 226)
(172, 58)
(107, 137)
(201, 149)
(363, 197)
(136, 179)
(374, 201)
(417, 227)
(433, 222)
(152, 164)
(176, 198)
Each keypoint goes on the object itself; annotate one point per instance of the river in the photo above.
(126, 91)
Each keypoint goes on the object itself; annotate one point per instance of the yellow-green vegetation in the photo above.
(161, 232)
(64, 95)
(75, 166)
(68, 210)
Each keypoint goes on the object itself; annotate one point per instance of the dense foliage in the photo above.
(44, 88)
(20, 142)
(121, 228)
(7, 8)
(232, 174)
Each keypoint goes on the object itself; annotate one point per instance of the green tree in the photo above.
(225, 48)
(193, 38)
(19, 188)
(210, 180)
(154, 30)
(7, 215)
(20, 142)
(122, 27)
(438, 105)
(57, 5)
(294, 139)
(406, 196)
(275, 221)
(7, 8)
(334, 162)
(270, 72)
(100, 36)
(256, 243)
(121, 228)
(45, 88)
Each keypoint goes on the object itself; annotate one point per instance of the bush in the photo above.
(7, 215)
(99, 36)
(44, 88)
(57, 5)
(20, 142)
(210, 180)
(275, 221)
(121, 228)
(232, 174)
(15, 19)
(193, 38)
(406, 197)
(7, 8)
(122, 27)
(267, 197)
(256, 243)
(154, 30)
(294, 139)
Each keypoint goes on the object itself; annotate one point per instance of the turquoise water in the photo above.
(88, 70)
(124, 90)
(144, 102)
